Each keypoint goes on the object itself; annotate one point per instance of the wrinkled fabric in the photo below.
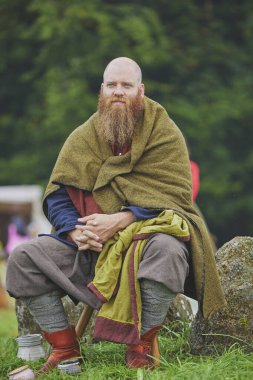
(118, 249)
(119, 261)
(45, 264)
(116, 281)
(155, 173)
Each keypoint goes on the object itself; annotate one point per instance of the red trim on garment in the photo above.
(142, 236)
(97, 293)
(183, 238)
(113, 331)
(132, 285)
(146, 235)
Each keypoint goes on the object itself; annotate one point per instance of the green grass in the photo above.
(106, 360)
(8, 323)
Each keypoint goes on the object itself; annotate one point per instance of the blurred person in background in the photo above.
(17, 233)
(3, 296)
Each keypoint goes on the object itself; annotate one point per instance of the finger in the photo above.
(84, 247)
(86, 218)
(94, 244)
(87, 233)
(91, 223)
(86, 226)
(88, 240)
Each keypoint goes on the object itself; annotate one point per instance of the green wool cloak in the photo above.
(155, 173)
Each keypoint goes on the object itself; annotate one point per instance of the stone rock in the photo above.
(179, 311)
(26, 323)
(234, 323)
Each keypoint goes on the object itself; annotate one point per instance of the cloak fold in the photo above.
(115, 282)
(155, 174)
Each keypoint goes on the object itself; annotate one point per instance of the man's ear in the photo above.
(102, 87)
(142, 89)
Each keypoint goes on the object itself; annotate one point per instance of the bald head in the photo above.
(123, 64)
(122, 77)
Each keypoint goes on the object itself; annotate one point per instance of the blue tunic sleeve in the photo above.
(63, 215)
(141, 213)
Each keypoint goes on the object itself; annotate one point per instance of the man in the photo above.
(125, 171)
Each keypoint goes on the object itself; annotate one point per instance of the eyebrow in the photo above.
(114, 82)
(131, 83)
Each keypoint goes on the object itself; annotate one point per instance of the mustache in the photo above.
(117, 98)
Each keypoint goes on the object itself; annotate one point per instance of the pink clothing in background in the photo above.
(195, 179)
(14, 238)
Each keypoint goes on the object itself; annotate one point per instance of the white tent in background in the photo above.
(23, 200)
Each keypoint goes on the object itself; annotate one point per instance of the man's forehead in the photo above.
(123, 72)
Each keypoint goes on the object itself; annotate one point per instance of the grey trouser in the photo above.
(162, 273)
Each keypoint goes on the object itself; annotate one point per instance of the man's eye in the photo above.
(127, 86)
(110, 85)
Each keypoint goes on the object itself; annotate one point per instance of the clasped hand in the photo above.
(97, 229)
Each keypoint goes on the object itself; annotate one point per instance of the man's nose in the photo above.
(119, 91)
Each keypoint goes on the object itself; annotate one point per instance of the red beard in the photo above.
(119, 122)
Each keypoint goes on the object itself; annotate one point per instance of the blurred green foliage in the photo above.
(196, 58)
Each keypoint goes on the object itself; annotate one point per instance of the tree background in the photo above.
(196, 58)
